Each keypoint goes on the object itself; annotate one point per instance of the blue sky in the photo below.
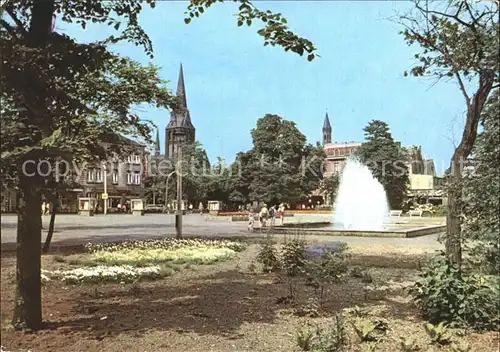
(232, 79)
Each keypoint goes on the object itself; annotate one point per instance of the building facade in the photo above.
(337, 153)
(124, 178)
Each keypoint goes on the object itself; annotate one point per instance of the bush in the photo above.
(294, 256)
(268, 257)
(457, 297)
(329, 269)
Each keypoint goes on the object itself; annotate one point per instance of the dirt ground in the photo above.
(220, 307)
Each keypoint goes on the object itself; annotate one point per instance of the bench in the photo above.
(395, 213)
(416, 212)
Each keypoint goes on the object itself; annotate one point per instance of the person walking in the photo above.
(251, 221)
(281, 213)
(272, 215)
(200, 208)
(263, 215)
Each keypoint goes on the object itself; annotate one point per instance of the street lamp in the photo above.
(105, 189)
(166, 189)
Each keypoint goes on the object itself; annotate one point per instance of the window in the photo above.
(134, 159)
(137, 178)
(114, 177)
(129, 178)
(98, 175)
(94, 175)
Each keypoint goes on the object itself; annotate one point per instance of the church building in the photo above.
(180, 130)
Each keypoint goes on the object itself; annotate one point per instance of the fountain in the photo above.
(361, 203)
(361, 209)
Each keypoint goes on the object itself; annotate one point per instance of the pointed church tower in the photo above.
(157, 143)
(327, 130)
(180, 129)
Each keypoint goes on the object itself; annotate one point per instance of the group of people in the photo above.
(267, 214)
(45, 208)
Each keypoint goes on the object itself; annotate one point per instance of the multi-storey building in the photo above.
(124, 176)
(337, 153)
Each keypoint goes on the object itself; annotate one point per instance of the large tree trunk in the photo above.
(475, 107)
(28, 304)
(453, 241)
(54, 200)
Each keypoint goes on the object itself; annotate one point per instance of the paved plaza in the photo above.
(75, 229)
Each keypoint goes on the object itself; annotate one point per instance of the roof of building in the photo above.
(326, 124)
(181, 117)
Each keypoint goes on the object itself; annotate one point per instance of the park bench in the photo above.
(415, 212)
(395, 213)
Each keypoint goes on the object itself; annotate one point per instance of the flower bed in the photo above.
(130, 261)
(169, 243)
(102, 273)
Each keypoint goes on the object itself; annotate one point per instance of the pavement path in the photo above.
(75, 229)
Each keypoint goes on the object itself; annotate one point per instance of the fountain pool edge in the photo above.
(402, 233)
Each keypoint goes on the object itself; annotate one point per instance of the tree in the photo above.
(330, 186)
(281, 166)
(482, 187)
(386, 160)
(59, 99)
(459, 40)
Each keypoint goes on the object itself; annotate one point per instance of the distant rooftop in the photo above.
(342, 144)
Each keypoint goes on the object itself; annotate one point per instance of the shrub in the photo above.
(319, 340)
(294, 256)
(329, 269)
(457, 297)
(268, 257)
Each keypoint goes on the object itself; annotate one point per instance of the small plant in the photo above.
(369, 330)
(319, 340)
(408, 344)
(329, 269)
(305, 338)
(438, 333)
(268, 257)
(461, 347)
(294, 256)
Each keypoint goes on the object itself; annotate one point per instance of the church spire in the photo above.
(157, 143)
(326, 124)
(181, 89)
(327, 130)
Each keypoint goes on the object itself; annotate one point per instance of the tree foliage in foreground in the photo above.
(482, 208)
(458, 40)
(60, 97)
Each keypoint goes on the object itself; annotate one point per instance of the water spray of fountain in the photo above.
(361, 203)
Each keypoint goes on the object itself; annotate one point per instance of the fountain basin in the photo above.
(326, 229)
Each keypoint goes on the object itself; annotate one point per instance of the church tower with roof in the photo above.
(180, 129)
(327, 130)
